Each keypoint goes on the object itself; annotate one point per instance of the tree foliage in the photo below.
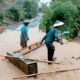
(30, 8)
(13, 14)
(1, 18)
(46, 21)
(63, 11)
(20, 9)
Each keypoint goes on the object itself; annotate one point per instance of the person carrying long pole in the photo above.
(50, 37)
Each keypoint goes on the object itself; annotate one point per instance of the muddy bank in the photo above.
(77, 40)
(2, 29)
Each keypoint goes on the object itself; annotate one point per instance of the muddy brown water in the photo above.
(66, 55)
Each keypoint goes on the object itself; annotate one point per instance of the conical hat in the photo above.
(58, 23)
(26, 21)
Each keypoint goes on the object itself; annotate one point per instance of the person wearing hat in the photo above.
(24, 34)
(50, 37)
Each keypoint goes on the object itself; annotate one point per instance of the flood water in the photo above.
(67, 55)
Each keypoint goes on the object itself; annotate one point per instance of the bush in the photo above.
(68, 14)
(63, 11)
(13, 14)
(78, 17)
(1, 18)
(30, 8)
(46, 23)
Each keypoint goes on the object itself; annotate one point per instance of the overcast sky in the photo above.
(44, 1)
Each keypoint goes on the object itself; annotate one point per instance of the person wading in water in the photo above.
(24, 34)
(50, 37)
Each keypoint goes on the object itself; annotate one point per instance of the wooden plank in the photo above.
(37, 60)
(29, 48)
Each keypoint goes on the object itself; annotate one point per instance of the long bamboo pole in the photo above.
(59, 71)
(44, 61)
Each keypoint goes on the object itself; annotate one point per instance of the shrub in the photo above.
(45, 23)
(63, 11)
(30, 8)
(68, 14)
(1, 18)
(13, 14)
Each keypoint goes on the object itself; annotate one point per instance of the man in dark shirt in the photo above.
(50, 37)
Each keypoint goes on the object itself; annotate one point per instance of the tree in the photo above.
(1, 18)
(27, 8)
(30, 8)
(63, 11)
(46, 21)
(6, 3)
(13, 14)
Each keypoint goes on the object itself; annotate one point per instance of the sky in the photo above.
(44, 1)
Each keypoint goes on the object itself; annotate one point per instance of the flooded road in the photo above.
(9, 41)
(67, 55)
